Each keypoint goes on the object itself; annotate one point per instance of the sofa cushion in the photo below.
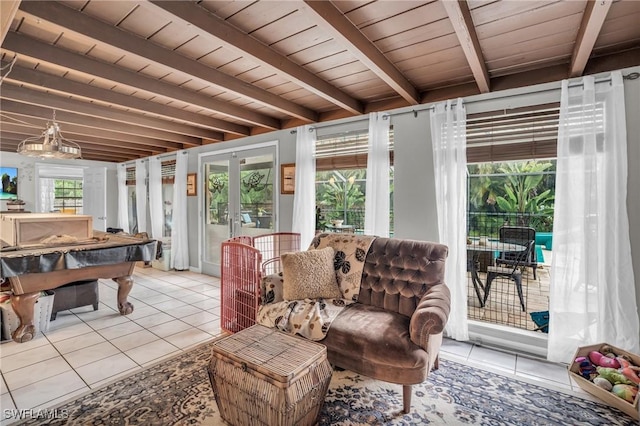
(309, 275)
(375, 342)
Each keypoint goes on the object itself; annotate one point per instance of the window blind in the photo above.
(131, 176)
(168, 171)
(513, 134)
(345, 151)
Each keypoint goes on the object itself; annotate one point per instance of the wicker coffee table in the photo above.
(263, 376)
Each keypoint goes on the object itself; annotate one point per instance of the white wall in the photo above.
(27, 180)
(414, 192)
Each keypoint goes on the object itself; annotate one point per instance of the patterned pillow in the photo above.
(271, 289)
(310, 275)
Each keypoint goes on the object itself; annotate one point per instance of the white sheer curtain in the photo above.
(180, 231)
(123, 198)
(448, 135)
(592, 297)
(156, 209)
(141, 195)
(304, 199)
(376, 206)
(47, 194)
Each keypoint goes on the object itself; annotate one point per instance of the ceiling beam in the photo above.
(193, 14)
(47, 53)
(460, 17)
(11, 145)
(593, 18)
(8, 9)
(67, 86)
(72, 118)
(97, 143)
(340, 27)
(81, 23)
(117, 138)
(175, 132)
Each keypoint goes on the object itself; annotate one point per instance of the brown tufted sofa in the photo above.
(394, 332)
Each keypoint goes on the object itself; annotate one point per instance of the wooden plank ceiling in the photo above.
(129, 79)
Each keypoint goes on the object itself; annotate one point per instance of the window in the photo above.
(131, 194)
(341, 173)
(68, 196)
(511, 188)
(168, 171)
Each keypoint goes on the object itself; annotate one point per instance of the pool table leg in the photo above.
(23, 305)
(124, 287)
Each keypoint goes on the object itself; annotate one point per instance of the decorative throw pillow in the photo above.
(271, 289)
(310, 275)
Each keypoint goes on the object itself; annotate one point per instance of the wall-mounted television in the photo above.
(9, 183)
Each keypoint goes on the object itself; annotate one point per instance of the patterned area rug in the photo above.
(177, 392)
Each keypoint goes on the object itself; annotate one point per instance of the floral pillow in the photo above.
(271, 289)
(310, 275)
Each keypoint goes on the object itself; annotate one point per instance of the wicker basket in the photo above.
(261, 376)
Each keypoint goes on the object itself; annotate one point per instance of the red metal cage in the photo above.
(240, 285)
(271, 246)
(242, 268)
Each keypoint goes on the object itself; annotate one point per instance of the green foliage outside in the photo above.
(256, 193)
(217, 196)
(522, 192)
(340, 194)
(68, 194)
(338, 191)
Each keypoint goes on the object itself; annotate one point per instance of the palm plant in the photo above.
(339, 195)
(484, 188)
(523, 181)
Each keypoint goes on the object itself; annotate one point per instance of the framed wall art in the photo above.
(192, 187)
(287, 178)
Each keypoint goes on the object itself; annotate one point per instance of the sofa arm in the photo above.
(430, 315)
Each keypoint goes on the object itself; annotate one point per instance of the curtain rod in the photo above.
(168, 154)
(630, 76)
(386, 116)
(363, 117)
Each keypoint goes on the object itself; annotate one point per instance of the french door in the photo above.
(239, 199)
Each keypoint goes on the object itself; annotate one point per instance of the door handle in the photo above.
(103, 218)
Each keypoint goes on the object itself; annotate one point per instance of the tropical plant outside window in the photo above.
(256, 195)
(517, 195)
(520, 193)
(341, 180)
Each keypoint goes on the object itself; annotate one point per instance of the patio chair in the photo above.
(513, 273)
(518, 235)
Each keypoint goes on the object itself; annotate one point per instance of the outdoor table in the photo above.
(476, 247)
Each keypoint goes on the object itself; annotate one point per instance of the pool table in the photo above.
(32, 269)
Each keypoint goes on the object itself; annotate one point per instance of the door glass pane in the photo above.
(256, 195)
(217, 212)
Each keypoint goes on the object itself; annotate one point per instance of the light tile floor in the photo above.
(174, 311)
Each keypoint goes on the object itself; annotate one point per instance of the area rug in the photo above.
(177, 392)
